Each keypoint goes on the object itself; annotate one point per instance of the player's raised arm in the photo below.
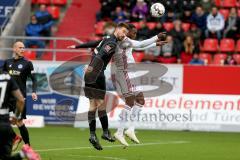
(91, 44)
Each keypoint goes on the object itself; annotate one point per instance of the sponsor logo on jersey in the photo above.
(20, 66)
(14, 72)
(107, 48)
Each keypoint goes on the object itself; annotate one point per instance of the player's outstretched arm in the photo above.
(141, 44)
(91, 44)
(158, 43)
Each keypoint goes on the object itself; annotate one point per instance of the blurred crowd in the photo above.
(202, 17)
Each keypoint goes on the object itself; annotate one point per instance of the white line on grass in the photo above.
(113, 146)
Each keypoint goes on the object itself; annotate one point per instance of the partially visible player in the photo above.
(8, 87)
(126, 86)
(95, 85)
(20, 69)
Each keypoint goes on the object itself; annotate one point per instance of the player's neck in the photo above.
(16, 57)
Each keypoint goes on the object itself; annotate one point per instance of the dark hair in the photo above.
(124, 25)
(131, 26)
(109, 24)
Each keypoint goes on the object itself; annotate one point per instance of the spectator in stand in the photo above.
(187, 14)
(215, 24)
(158, 29)
(144, 31)
(196, 60)
(169, 16)
(119, 15)
(230, 61)
(107, 7)
(34, 29)
(199, 18)
(140, 10)
(169, 53)
(189, 48)
(195, 33)
(177, 32)
(176, 6)
(206, 4)
(44, 17)
(190, 4)
(232, 27)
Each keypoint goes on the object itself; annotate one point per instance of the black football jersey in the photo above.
(104, 51)
(7, 85)
(20, 70)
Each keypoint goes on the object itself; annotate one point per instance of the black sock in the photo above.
(24, 134)
(103, 119)
(92, 121)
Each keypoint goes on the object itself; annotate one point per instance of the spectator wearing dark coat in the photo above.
(232, 26)
(199, 18)
(177, 32)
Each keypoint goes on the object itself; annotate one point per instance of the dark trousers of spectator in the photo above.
(231, 34)
(40, 44)
(210, 34)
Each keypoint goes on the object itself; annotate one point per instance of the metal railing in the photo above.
(54, 48)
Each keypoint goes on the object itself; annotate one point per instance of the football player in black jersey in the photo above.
(8, 88)
(20, 69)
(95, 86)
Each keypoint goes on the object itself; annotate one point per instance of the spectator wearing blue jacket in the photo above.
(44, 17)
(196, 60)
(199, 18)
(34, 29)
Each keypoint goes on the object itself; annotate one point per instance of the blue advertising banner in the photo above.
(6, 6)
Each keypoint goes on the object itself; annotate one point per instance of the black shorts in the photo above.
(12, 106)
(96, 89)
(6, 137)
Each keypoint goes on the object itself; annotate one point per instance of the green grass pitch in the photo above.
(67, 143)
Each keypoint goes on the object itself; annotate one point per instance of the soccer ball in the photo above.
(157, 10)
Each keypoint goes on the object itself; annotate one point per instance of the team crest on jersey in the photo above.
(20, 66)
(107, 48)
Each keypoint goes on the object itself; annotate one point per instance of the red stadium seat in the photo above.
(34, 1)
(99, 28)
(229, 3)
(206, 57)
(54, 11)
(186, 26)
(238, 46)
(219, 58)
(227, 45)
(210, 45)
(238, 12)
(168, 26)
(31, 55)
(218, 3)
(136, 24)
(59, 2)
(236, 57)
(138, 56)
(47, 2)
(225, 13)
(151, 25)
